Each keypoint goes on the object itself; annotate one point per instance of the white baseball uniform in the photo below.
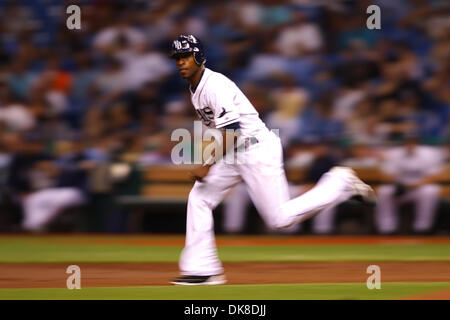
(410, 168)
(219, 102)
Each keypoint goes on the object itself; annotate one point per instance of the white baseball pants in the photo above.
(426, 199)
(262, 169)
(236, 206)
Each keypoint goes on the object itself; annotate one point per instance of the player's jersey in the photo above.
(219, 102)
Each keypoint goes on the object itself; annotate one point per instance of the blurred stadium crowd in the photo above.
(74, 100)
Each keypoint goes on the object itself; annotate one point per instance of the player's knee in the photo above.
(278, 221)
(279, 224)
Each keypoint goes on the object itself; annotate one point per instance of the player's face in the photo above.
(186, 65)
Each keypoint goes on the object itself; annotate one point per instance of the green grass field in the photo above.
(83, 249)
(316, 291)
(87, 249)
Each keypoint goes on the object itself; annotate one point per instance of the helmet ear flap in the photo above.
(199, 58)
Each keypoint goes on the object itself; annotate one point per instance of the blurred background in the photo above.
(86, 115)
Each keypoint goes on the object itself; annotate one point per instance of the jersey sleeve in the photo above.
(222, 104)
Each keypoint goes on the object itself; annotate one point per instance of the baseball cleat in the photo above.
(200, 280)
(359, 189)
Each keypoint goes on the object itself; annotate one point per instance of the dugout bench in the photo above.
(164, 186)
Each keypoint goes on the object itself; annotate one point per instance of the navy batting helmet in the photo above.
(189, 43)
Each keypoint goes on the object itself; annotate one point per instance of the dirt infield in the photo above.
(53, 275)
(150, 274)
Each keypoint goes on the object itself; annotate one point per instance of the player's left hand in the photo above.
(199, 173)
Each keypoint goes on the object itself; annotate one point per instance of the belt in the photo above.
(251, 141)
(248, 141)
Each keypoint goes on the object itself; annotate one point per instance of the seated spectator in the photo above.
(111, 79)
(147, 65)
(300, 37)
(360, 126)
(121, 39)
(249, 14)
(354, 31)
(147, 100)
(318, 122)
(267, 62)
(14, 114)
(84, 77)
(289, 101)
(392, 123)
(436, 87)
(119, 121)
(21, 79)
(275, 15)
(346, 102)
(56, 82)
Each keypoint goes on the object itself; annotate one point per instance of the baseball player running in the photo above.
(222, 105)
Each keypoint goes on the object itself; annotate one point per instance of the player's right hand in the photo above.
(199, 173)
